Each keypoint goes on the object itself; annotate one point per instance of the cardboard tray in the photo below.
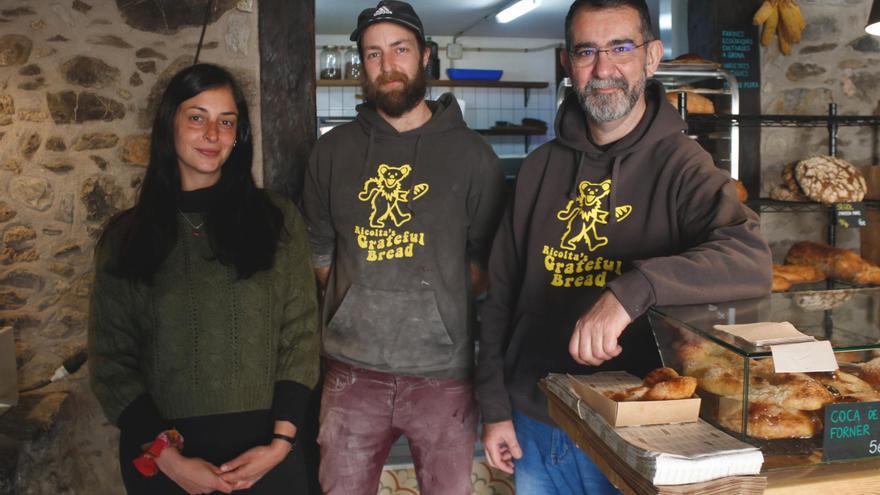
(590, 389)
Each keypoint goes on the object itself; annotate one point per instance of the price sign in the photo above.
(850, 215)
(852, 431)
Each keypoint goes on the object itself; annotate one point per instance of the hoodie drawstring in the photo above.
(366, 166)
(615, 171)
(408, 206)
(573, 191)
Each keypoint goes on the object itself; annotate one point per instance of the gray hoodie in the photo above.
(399, 217)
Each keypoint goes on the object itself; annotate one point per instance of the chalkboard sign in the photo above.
(850, 215)
(852, 431)
(740, 56)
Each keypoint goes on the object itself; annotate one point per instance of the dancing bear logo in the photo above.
(385, 193)
(585, 212)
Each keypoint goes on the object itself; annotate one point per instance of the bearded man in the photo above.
(401, 205)
(620, 212)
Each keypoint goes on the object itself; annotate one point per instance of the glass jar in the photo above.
(352, 60)
(331, 63)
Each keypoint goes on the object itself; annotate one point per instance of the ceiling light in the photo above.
(873, 26)
(516, 9)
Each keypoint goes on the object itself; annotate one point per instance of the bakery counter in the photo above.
(784, 414)
(857, 477)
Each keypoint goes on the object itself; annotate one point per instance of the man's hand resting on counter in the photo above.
(595, 335)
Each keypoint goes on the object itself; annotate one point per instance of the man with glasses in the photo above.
(620, 212)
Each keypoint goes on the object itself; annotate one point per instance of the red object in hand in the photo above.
(146, 462)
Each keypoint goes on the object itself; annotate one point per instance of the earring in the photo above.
(235, 142)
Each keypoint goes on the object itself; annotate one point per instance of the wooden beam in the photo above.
(287, 87)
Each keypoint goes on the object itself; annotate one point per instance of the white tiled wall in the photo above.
(483, 107)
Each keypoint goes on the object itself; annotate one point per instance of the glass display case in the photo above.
(782, 413)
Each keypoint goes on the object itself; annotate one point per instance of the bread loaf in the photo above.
(741, 192)
(696, 103)
(838, 263)
(798, 274)
(780, 284)
(827, 179)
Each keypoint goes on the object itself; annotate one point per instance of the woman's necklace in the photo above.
(196, 229)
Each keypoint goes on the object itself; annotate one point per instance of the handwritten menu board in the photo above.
(852, 431)
(740, 55)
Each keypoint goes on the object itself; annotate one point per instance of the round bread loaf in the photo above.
(827, 179)
(791, 184)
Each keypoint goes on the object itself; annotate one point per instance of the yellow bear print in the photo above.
(585, 212)
(386, 193)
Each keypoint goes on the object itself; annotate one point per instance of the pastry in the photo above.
(870, 372)
(727, 382)
(829, 179)
(659, 375)
(630, 394)
(700, 356)
(770, 422)
(841, 383)
(791, 390)
(680, 387)
(659, 384)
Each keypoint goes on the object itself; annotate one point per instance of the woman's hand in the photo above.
(242, 472)
(192, 474)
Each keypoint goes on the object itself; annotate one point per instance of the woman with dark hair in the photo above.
(202, 328)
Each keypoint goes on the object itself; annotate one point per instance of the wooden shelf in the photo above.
(447, 83)
(513, 131)
(526, 86)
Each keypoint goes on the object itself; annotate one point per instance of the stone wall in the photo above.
(835, 62)
(78, 83)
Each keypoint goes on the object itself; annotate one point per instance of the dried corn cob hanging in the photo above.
(782, 17)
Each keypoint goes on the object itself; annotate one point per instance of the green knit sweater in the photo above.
(199, 341)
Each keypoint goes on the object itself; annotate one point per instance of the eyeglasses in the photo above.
(618, 54)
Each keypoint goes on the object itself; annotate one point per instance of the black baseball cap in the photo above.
(389, 11)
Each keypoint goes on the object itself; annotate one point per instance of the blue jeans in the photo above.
(553, 464)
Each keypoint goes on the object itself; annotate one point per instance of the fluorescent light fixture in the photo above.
(873, 26)
(516, 9)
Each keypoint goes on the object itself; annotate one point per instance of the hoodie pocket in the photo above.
(389, 328)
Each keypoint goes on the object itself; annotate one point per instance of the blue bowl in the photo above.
(474, 74)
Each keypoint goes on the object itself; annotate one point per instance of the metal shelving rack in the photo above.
(674, 75)
(832, 121)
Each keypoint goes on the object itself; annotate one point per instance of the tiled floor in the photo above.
(487, 481)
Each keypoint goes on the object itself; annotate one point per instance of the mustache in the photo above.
(595, 84)
(393, 76)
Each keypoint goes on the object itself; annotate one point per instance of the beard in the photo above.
(396, 102)
(607, 107)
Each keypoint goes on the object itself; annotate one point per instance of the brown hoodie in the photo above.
(650, 218)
